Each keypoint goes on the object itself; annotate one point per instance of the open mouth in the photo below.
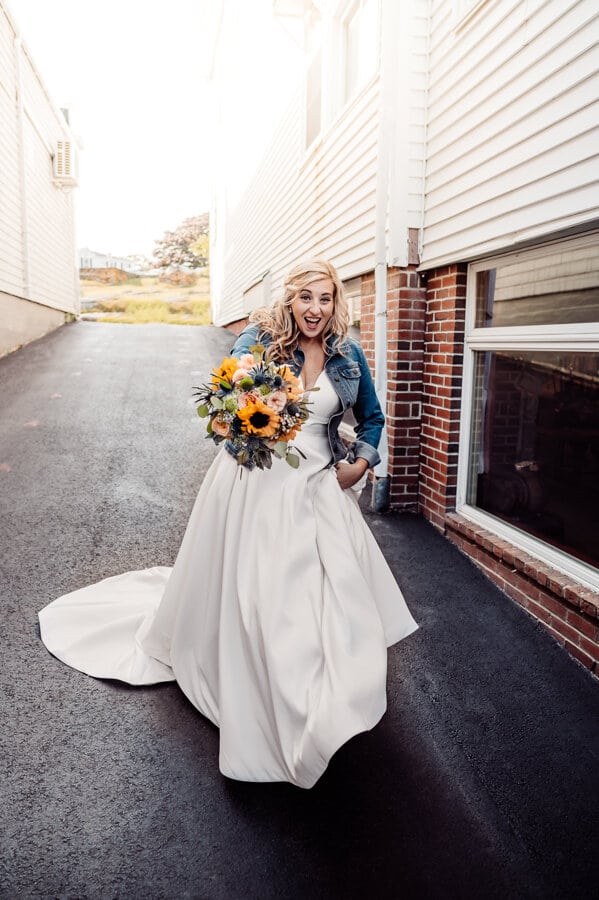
(311, 323)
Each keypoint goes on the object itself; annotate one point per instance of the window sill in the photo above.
(533, 570)
(569, 611)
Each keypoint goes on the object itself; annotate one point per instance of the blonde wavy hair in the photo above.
(278, 323)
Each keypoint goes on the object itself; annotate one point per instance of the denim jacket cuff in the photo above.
(366, 451)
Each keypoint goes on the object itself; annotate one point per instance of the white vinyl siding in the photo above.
(37, 242)
(513, 134)
(11, 248)
(298, 205)
(321, 201)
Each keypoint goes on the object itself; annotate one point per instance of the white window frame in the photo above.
(576, 337)
(316, 138)
(349, 9)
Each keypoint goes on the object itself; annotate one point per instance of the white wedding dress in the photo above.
(274, 620)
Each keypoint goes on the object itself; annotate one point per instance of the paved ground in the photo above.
(480, 782)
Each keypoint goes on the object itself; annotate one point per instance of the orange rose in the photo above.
(220, 427)
(276, 400)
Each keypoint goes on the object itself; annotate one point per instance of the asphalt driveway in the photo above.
(480, 782)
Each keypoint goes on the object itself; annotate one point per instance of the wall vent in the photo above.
(64, 164)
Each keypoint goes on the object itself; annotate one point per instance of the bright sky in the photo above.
(132, 73)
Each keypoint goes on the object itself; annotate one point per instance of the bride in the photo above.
(277, 613)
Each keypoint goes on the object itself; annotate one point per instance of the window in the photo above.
(353, 295)
(314, 97)
(360, 39)
(530, 419)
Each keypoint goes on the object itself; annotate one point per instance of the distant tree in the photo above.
(201, 247)
(186, 246)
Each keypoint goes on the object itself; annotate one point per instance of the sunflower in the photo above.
(258, 418)
(225, 371)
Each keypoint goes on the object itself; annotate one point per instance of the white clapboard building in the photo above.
(444, 155)
(38, 162)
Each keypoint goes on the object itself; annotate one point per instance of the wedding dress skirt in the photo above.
(274, 620)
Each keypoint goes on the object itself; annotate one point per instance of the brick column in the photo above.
(367, 318)
(406, 306)
(442, 389)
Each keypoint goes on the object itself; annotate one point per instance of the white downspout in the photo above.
(380, 496)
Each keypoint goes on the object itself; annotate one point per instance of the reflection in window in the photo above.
(535, 459)
(558, 287)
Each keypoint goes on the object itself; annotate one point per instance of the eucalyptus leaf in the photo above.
(216, 402)
(280, 449)
(203, 411)
(292, 460)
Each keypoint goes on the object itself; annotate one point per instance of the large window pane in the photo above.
(535, 445)
(559, 287)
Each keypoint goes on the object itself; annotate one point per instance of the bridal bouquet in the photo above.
(255, 405)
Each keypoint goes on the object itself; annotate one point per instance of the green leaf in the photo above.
(216, 402)
(203, 411)
(280, 449)
(292, 460)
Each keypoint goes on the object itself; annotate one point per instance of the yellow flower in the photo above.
(225, 371)
(292, 385)
(258, 418)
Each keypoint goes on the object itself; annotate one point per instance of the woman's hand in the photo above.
(349, 474)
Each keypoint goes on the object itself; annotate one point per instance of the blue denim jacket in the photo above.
(350, 376)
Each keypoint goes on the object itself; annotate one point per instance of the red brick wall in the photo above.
(367, 318)
(442, 389)
(406, 306)
(569, 611)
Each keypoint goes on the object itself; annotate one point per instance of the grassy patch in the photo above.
(147, 299)
(141, 311)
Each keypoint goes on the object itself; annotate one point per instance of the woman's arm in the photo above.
(368, 413)
(246, 339)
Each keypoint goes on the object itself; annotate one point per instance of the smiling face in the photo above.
(313, 306)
